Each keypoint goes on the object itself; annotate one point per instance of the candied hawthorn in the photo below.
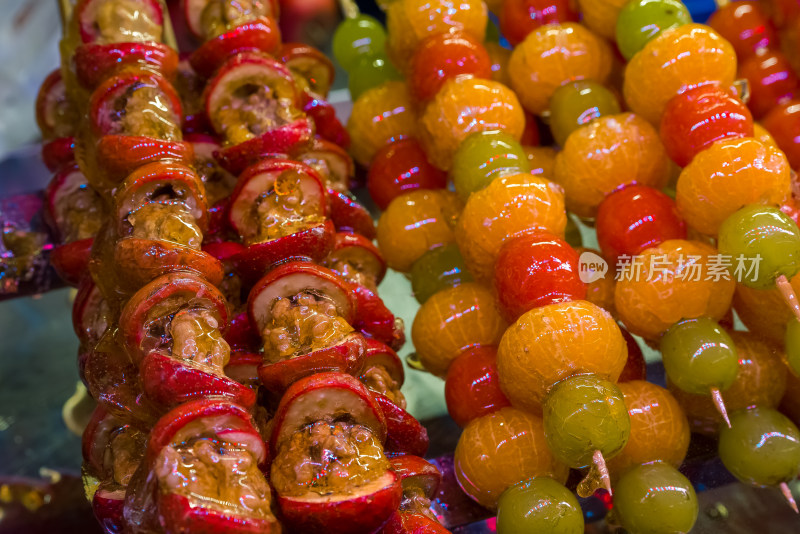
(783, 122)
(745, 25)
(770, 79)
(471, 388)
(518, 18)
(401, 167)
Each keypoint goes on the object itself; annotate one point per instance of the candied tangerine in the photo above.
(667, 283)
(453, 320)
(678, 59)
(501, 449)
(498, 57)
(728, 175)
(609, 152)
(542, 160)
(509, 206)
(601, 16)
(553, 55)
(463, 106)
(764, 311)
(554, 342)
(414, 223)
(381, 114)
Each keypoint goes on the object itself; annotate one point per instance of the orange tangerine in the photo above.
(542, 160)
(763, 311)
(553, 342)
(609, 152)
(466, 105)
(601, 291)
(728, 175)
(498, 450)
(678, 59)
(761, 133)
(600, 16)
(552, 55)
(452, 321)
(499, 57)
(667, 283)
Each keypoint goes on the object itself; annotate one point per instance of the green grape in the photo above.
(539, 505)
(761, 447)
(699, 355)
(792, 345)
(572, 234)
(655, 499)
(765, 237)
(357, 38)
(584, 414)
(482, 157)
(438, 269)
(576, 104)
(639, 21)
(371, 72)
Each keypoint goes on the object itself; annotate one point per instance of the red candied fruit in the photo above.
(783, 122)
(401, 167)
(535, 270)
(635, 366)
(634, 218)
(771, 81)
(695, 119)
(471, 388)
(518, 18)
(745, 26)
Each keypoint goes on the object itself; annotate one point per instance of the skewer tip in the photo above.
(787, 494)
(602, 470)
(720, 404)
(785, 287)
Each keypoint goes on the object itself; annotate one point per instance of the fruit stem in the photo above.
(787, 493)
(602, 468)
(720, 404)
(788, 294)
(349, 9)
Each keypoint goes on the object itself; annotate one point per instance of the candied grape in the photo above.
(357, 38)
(763, 236)
(482, 157)
(762, 447)
(539, 505)
(401, 167)
(437, 269)
(576, 104)
(370, 72)
(471, 388)
(655, 499)
(640, 21)
(584, 414)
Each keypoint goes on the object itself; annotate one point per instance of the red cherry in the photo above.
(401, 167)
(745, 25)
(783, 123)
(445, 56)
(771, 80)
(634, 218)
(635, 368)
(471, 388)
(518, 18)
(535, 270)
(695, 119)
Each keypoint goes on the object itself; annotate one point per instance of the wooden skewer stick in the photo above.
(788, 294)
(65, 10)
(787, 494)
(602, 469)
(720, 404)
(349, 9)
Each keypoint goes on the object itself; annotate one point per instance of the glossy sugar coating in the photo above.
(452, 321)
(770, 79)
(539, 505)
(600, 16)
(398, 168)
(414, 223)
(728, 175)
(601, 291)
(783, 122)
(655, 499)
(518, 18)
(762, 447)
(553, 55)
(471, 388)
(761, 381)
(409, 22)
(583, 414)
(674, 61)
(649, 307)
(464, 106)
(356, 38)
(763, 135)
(641, 21)
(509, 206)
(745, 25)
(482, 157)
(576, 104)
(370, 72)
(659, 428)
(551, 343)
(498, 57)
(501, 449)
(380, 115)
(764, 235)
(611, 151)
(763, 311)
(437, 269)
(542, 161)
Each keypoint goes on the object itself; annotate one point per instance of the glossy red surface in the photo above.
(401, 167)
(745, 25)
(635, 367)
(471, 388)
(783, 122)
(535, 270)
(634, 218)
(520, 17)
(771, 80)
(693, 120)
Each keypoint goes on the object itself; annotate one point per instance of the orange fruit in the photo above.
(601, 291)
(409, 22)
(659, 428)
(499, 57)
(380, 115)
(542, 160)
(553, 342)
(466, 105)
(678, 59)
(726, 176)
(452, 321)
(666, 291)
(600, 16)
(761, 133)
(761, 382)
(552, 55)
(509, 206)
(607, 153)
(500, 449)
(763, 311)
(416, 222)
